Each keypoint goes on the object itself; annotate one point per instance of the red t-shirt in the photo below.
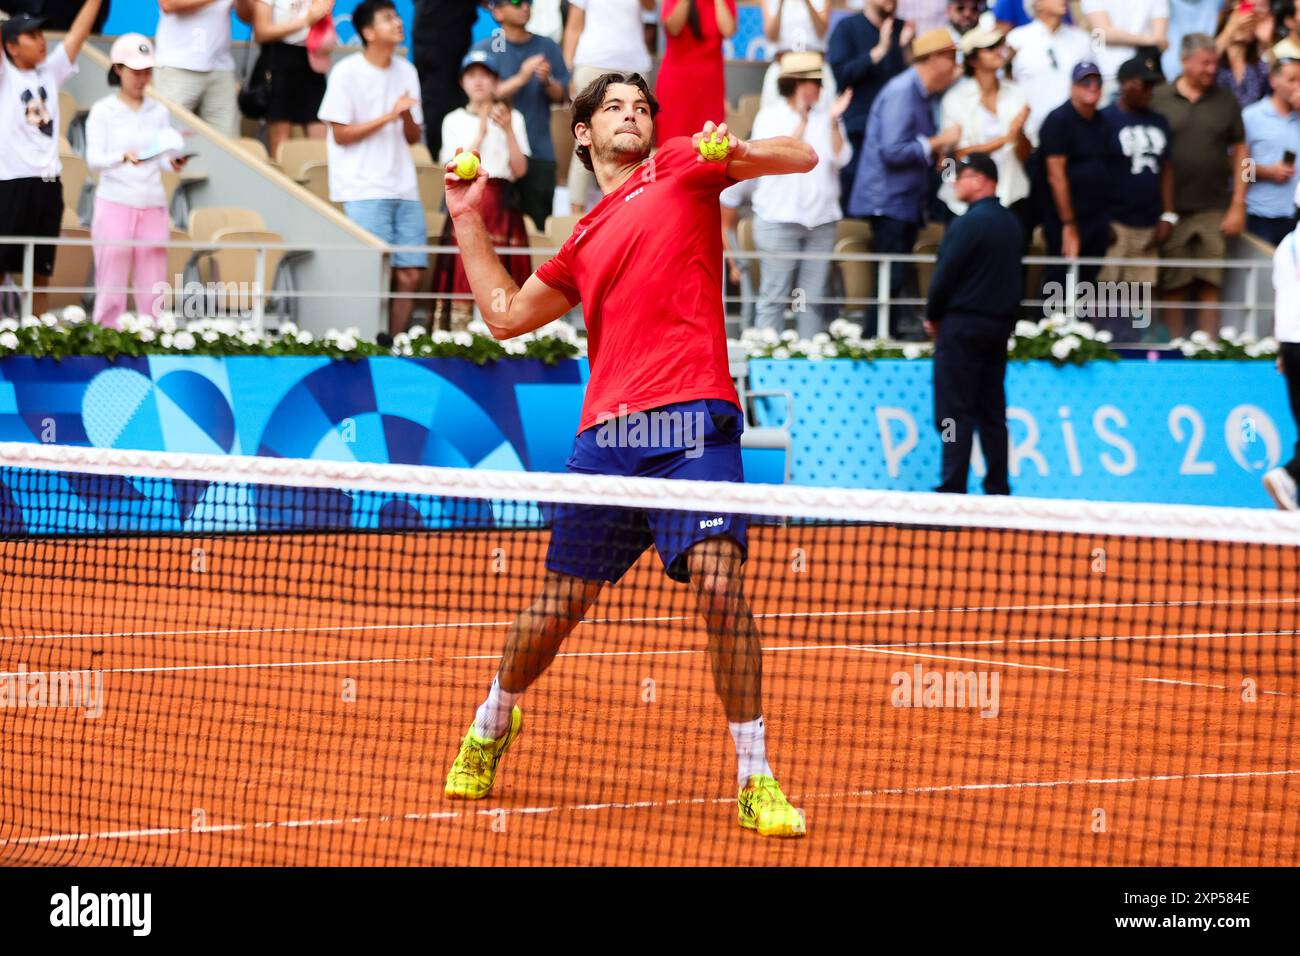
(646, 264)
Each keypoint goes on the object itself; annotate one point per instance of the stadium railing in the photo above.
(1247, 302)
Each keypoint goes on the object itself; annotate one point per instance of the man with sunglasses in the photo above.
(963, 15)
(533, 76)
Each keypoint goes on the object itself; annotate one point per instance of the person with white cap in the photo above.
(129, 141)
(31, 194)
(991, 113)
(798, 212)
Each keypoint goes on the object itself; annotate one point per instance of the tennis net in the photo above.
(221, 660)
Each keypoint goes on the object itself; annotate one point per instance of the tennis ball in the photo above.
(713, 149)
(466, 165)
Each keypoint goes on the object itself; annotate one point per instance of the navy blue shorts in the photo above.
(698, 441)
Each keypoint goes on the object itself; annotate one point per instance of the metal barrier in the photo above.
(1253, 309)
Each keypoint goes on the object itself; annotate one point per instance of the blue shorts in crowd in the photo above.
(398, 222)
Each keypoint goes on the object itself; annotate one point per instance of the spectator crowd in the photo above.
(1119, 128)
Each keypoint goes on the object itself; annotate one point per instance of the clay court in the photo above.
(297, 699)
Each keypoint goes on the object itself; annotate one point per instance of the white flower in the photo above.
(9, 325)
(1254, 350)
(305, 338)
(821, 338)
(912, 351)
(146, 335)
(514, 347)
(346, 342)
(789, 335)
(74, 314)
(559, 329)
(768, 336)
(478, 327)
(1188, 349)
(1228, 334)
(49, 320)
(439, 336)
(751, 334)
(127, 322)
(1062, 348)
(463, 339)
(1057, 321)
(844, 329)
(183, 340)
(8, 340)
(781, 353)
(1083, 330)
(1026, 329)
(417, 331)
(250, 337)
(288, 328)
(1104, 337)
(165, 340)
(30, 322)
(166, 322)
(210, 336)
(1268, 343)
(1201, 338)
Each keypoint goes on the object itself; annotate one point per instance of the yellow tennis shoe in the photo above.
(763, 807)
(475, 768)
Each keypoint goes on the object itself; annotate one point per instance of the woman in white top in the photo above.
(799, 212)
(991, 113)
(194, 64)
(129, 140)
(601, 36)
(795, 26)
(296, 89)
(498, 134)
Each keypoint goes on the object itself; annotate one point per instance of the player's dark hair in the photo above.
(364, 15)
(588, 101)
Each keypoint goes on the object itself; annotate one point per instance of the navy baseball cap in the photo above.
(480, 58)
(16, 26)
(1084, 70)
(982, 163)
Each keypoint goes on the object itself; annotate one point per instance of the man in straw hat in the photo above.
(899, 155)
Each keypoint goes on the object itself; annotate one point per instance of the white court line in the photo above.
(452, 625)
(644, 805)
(1192, 683)
(881, 648)
(964, 660)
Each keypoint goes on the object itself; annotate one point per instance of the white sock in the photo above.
(751, 749)
(492, 719)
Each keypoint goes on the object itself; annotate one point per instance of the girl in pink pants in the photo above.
(127, 143)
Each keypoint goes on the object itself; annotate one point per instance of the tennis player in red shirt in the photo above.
(646, 265)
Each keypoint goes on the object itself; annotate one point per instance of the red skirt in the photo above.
(505, 224)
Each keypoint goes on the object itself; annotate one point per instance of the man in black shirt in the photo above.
(972, 306)
(440, 38)
(865, 52)
(1074, 145)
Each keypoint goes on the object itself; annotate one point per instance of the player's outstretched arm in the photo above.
(507, 309)
(761, 157)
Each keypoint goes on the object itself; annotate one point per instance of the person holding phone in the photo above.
(127, 135)
(1273, 140)
(1238, 41)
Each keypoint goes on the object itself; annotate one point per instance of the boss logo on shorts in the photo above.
(710, 523)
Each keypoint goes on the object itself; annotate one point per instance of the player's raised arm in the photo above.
(762, 157)
(507, 309)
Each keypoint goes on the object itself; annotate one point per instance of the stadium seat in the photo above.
(74, 178)
(239, 266)
(429, 179)
(208, 220)
(559, 228)
(927, 243)
(746, 110)
(74, 267)
(562, 137)
(294, 154)
(770, 438)
(855, 280)
(68, 110)
(539, 240)
(254, 146)
(316, 177)
(421, 155)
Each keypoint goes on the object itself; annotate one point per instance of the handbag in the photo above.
(255, 91)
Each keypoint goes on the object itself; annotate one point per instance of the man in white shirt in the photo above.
(1046, 51)
(194, 64)
(1124, 26)
(1280, 483)
(372, 107)
(31, 196)
(798, 212)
